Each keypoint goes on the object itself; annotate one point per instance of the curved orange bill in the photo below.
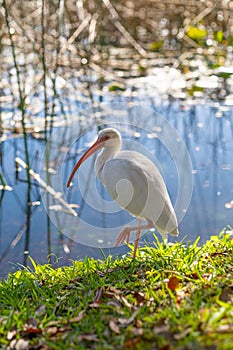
(94, 148)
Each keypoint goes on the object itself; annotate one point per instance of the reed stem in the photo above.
(21, 98)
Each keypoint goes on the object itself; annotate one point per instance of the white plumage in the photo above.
(135, 183)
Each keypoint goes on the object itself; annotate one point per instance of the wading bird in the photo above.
(135, 183)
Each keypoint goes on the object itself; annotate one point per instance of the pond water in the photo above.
(190, 142)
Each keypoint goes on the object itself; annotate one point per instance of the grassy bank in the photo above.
(169, 297)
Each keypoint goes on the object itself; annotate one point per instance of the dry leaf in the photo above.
(52, 330)
(33, 331)
(94, 305)
(111, 269)
(114, 327)
(53, 323)
(173, 283)
(41, 310)
(78, 318)
(31, 327)
(22, 344)
(126, 302)
(137, 331)
(76, 280)
(131, 343)
(226, 294)
(12, 344)
(138, 323)
(88, 337)
(111, 292)
(183, 334)
(11, 334)
(98, 295)
(140, 297)
(161, 329)
(127, 321)
(218, 254)
(56, 331)
(225, 328)
(100, 273)
(116, 304)
(97, 298)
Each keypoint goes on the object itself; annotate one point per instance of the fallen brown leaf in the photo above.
(33, 331)
(78, 318)
(94, 305)
(110, 270)
(52, 330)
(127, 321)
(115, 304)
(11, 333)
(100, 273)
(21, 344)
(131, 343)
(55, 332)
(98, 295)
(88, 337)
(41, 310)
(138, 323)
(226, 294)
(114, 327)
(31, 327)
(76, 280)
(126, 302)
(162, 329)
(218, 254)
(53, 323)
(183, 334)
(225, 328)
(193, 275)
(140, 297)
(173, 283)
(137, 331)
(111, 292)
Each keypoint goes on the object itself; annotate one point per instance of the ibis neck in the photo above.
(102, 158)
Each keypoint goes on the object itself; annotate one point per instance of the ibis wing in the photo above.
(135, 183)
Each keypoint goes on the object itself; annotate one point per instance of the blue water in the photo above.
(206, 130)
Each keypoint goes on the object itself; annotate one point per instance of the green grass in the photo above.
(170, 297)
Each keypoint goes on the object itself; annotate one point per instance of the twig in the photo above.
(202, 15)
(15, 240)
(92, 29)
(77, 32)
(48, 188)
(122, 29)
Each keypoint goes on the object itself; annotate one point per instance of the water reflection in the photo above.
(26, 229)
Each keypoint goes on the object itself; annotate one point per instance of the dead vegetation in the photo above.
(56, 47)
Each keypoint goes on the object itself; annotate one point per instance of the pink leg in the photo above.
(138, 233)
(125, 233)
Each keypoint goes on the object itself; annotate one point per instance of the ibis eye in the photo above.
(107, 137)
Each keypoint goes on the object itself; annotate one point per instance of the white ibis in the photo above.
(135, 183)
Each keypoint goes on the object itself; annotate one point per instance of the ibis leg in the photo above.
(138, 233)
(125, 233)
